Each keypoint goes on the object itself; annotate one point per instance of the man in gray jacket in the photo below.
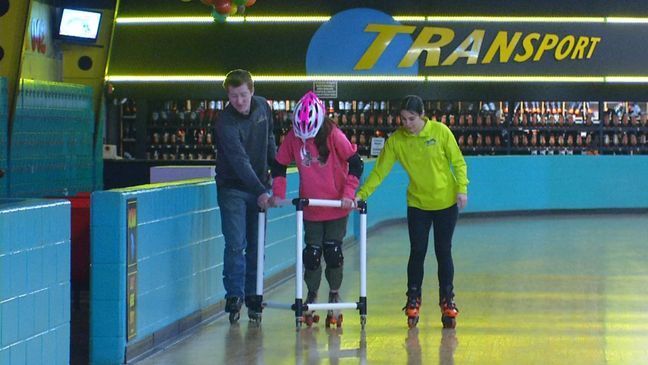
(246, 146)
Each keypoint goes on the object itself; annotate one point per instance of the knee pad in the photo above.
(333, 253)
(312, 257)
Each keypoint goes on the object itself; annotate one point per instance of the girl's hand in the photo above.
(347, 203)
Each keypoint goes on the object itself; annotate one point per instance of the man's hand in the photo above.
(262, 200)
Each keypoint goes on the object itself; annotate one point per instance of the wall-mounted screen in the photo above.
(79, 24)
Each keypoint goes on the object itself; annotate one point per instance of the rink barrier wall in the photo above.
(501, 184)
(180, 245)
(34, 282)
(179, 262)
(4, 131)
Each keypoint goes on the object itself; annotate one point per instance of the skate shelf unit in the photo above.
(183, 129)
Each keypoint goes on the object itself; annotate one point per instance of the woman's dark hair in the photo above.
(412, 103)
(322, 137)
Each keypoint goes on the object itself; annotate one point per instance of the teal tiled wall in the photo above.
(520, 183)
(4, 142)
(34, 282)
(51, 152)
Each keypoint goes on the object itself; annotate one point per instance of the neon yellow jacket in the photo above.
(427, 158)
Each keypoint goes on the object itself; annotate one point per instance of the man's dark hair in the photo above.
(236, 78)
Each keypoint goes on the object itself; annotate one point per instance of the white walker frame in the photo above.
(299, 306)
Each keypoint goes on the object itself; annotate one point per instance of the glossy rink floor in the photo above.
(559, 289)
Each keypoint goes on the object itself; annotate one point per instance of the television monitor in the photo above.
(79, 25)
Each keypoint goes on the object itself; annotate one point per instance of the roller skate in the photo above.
(255, 308)
(233, 307)
(334, 317)
(411, 309)
(309, 316)
(449, 313)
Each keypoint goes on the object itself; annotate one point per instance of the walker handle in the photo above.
(319, 202)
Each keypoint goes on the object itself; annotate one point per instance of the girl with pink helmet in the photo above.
(329, 168)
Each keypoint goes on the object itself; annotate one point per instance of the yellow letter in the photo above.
(562, 54)
(386, 34)
(548, 42)
(579, 50)
(595, 41)
(422, 43)
(474, 41)
(527, 43)
(500, 44)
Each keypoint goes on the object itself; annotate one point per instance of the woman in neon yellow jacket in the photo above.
(437, 189)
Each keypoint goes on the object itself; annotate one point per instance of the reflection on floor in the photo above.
(564, 289)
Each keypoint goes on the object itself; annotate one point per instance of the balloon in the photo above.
(239, 2)
(218, 17)
(233, 10)
(250, 3)
(240, 10)
(223, 7)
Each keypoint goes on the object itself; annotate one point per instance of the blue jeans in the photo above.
(239, 221)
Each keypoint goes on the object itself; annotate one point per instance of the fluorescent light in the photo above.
(627, 79)
(514, 19)
(480, 78)
(626, 20)
(384, 78)
(287, 19)
(164, 78)
(261, 78)
(166, 20)
(408, 18)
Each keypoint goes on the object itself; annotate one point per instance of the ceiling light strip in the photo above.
(623, 20)
(514, 19)
(385, 78)
(478, 78)
(165, 20)
(627, 79)
(399, 18)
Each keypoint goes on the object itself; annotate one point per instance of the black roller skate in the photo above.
(449, 313)
(255, 308)
(233, 307)
(309, 316)
(411, 309)
(334, 317)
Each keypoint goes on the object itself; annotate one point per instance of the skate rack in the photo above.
(299, 306)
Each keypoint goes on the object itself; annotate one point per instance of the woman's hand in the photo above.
(462, 200)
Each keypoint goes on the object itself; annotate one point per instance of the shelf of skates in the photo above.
(301, 308)
(181, 130)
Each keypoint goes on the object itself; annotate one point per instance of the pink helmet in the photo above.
(308, 116)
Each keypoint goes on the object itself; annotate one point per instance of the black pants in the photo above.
(419, 223)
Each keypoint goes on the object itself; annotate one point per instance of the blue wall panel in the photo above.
(4, 142)
(516, 183)
(51, 152)
(508, 183)
(35, 282)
